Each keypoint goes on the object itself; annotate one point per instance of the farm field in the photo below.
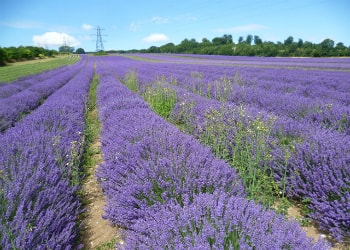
(199, 152)
(15, 70)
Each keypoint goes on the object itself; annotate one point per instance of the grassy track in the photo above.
(96, 232)
(15, 70)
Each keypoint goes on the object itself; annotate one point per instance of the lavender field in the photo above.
(41, 143)
(200, 152)
(281, 124)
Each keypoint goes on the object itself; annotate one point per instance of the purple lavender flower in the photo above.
(216, 221)
(38, 203)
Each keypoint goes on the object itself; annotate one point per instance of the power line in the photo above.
(99, 42)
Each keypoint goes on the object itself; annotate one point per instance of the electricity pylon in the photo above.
(99, 42)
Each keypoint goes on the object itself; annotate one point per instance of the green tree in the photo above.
(257, 40)
(269, 49)
(218, 41)
(228, 39)
(300, 43)
(80, 51)
(13, 53)
(326, 47)
(341, 50)
(249, 39)
(225, 50)
(187, 46)
(66, 49)
(168, 48)
(288, 41)
(153, 49)
(327, 44)
(205, 41)
(225, 39)
(3, 56)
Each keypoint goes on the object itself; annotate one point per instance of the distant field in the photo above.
(15, 70)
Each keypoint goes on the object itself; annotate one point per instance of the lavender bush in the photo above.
(148, 162)
(309, 132)
(16, 105)
(8, 89)
(153, 174)
(216, 221)
(39, 174)
(300, 146)
(309, 162)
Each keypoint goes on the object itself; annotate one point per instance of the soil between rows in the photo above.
(96, 231)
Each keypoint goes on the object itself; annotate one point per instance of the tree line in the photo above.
(253, 46)
(13, 54)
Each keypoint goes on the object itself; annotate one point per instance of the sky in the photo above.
(140, 24)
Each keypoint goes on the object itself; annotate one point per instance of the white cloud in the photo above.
(156, 38)
(55, 39)
(242, 28)
(159, 20)
(87, 26)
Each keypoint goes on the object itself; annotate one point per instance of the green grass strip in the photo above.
(92, 130)
(14, 71)
(92, 155)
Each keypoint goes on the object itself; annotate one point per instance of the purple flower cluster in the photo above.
(317, 167)
(304, 63)
(319, 171)
(147, 161)
(38, 165)
(315, 96)
(24, 95)
(168, 190)
(318, 164)
(216, 221)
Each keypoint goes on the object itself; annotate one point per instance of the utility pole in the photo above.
(65, 46)
(99, 42)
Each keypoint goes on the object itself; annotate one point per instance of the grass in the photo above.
(232, 134)
(92, 152)
(92, 128)
(140, 58)
(243, 143)
(131, 81)
(161, 99)
(108, 245)
(16, 70)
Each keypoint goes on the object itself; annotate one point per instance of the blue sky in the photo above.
(138, 24)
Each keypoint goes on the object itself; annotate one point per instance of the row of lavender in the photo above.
(341, 64)
(24, 95)
(320, 97)
(317, 169)
(39, 175)
(313, 161)
(318, 161)
(24, 82)
(169, 191)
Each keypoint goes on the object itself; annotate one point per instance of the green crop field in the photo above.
(15, 70)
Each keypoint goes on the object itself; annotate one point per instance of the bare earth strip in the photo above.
(96, 231)
(312, 231)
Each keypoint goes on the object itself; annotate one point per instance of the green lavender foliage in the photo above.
(161, 98)
(243, 142)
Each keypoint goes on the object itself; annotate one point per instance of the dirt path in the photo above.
(96, 233)
(312, 231)
(95, 230)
